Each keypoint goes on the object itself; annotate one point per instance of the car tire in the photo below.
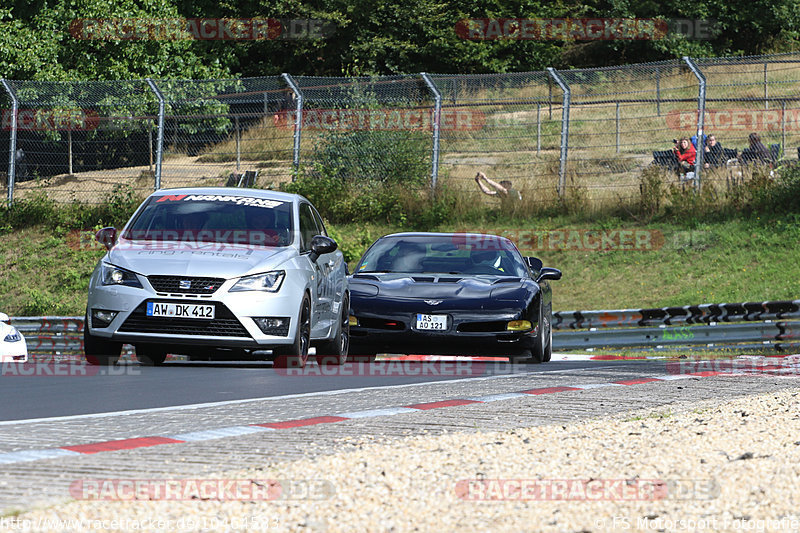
(548, 352)
(295, 355)
(97, 350)
(334, 351)
(150, 354)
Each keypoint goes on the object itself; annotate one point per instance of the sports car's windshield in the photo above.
(213, 218)
(450, 254)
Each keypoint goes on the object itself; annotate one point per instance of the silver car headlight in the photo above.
(14, 336)
(269, 281)
(113, 275)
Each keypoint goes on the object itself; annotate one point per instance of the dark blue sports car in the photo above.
(451, 294)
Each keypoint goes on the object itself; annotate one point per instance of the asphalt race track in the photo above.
(184, 419)
(55, 391)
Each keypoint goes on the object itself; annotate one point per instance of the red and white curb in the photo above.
(235, 431)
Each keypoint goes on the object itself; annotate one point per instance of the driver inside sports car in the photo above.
(485, 262)
(408, 257)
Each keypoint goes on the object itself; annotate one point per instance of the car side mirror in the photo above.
(107, 237)
(320, 245)
(4, 318)
(549, 273)
(535, 264)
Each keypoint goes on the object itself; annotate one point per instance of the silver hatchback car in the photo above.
(218, 271)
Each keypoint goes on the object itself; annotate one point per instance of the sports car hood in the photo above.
(197, 259)
(441, 287)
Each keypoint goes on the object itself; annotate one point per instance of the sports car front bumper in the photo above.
(467, 333)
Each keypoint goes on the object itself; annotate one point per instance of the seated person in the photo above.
(485, 262)
(408, 257)
(261, 227)
(756, 152)
(694, 140)
(686, 155)
(714, 155)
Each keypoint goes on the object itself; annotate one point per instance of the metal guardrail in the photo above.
(689, 314)
(748, 325)
(776, 335)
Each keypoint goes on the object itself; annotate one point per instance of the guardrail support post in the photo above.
(298, 121)
(12, 145)
(437, 115)
(160, 137)
(562, 167)
(701, 115)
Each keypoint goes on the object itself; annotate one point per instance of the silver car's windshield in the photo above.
(444, 254)
(219, 219)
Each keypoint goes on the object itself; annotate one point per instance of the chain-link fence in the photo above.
(617, 120)
(367, 130)
(587, 133)
(77, 141)
(507, 126)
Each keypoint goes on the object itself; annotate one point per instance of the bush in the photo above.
(39, 209)
(651, 189)
(392, 157)
(784, 195)
(373, 201)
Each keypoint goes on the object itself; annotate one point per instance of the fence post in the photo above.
(562, 167)
(701, 115)
(616, 126)
(437, 114)
(12, 148)
(766, 92)
(783, 127)
(150, 142)
(160, 136)
(298, 121)
(238, 142)
(658, 91)
(538, 127)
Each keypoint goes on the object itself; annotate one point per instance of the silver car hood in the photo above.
(197, 259)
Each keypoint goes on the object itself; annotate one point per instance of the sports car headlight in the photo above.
(269, 281)
(519, 325)
(14, 336)
(113, 275)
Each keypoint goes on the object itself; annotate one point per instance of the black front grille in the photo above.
(381, 323)
(224, 325)
(481, 327)
(172, 284)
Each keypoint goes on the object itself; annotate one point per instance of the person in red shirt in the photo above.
(686, 155)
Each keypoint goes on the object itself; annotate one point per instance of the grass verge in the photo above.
(735, 260)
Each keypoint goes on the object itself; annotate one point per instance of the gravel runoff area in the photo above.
(721, 465)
